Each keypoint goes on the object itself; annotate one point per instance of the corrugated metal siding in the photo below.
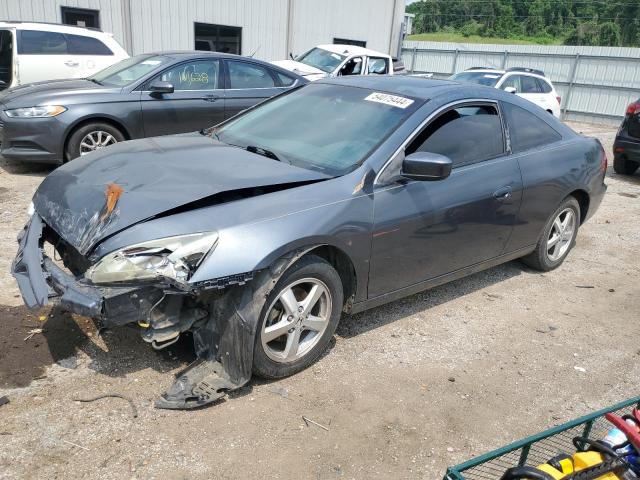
(49, 11)
(596, 83)
(371, 21)
(169, 24)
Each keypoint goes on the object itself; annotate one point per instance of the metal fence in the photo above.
(596, 83)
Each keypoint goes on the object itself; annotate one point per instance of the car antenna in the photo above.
(255, 51)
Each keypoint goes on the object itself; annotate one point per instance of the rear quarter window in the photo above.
(526, 130)
(285, 80)
(544, 86)
(81, 45)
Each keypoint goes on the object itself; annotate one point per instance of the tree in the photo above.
(610, 34)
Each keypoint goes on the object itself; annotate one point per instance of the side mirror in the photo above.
(159, 87)
(513, 90)
(426, 166)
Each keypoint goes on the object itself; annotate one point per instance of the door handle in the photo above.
(71, 63)
(503, 193)
(210, 98)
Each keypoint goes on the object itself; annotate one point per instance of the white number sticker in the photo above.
(393, 100)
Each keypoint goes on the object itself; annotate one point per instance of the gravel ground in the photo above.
(406, 389)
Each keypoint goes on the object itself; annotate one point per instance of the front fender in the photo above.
(245, 248)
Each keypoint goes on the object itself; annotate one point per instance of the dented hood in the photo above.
(100, 194)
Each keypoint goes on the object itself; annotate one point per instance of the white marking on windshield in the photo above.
(392, 100)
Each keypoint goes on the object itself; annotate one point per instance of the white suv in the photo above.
(524, 82)
(31, 52)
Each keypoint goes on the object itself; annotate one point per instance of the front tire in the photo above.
(623, 166)
(298, 319)
(91, 137)
(558, 237)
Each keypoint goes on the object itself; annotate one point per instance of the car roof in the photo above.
(52, 27)
(504, 72)
(342, 49)
(416, 87)
(187, 54)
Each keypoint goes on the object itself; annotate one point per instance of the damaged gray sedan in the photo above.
(335, 197)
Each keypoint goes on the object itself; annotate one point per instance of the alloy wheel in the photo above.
(561, 234)
(296, 320)
(96, 140)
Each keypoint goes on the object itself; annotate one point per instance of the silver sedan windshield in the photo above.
(331, 128)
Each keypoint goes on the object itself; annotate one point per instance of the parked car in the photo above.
(33, 52)
(525, 82)
(626, 148)
(338, 60)
(144, 96)
(257, 235)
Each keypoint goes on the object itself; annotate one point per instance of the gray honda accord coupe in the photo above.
(143, 96)
(258, 234)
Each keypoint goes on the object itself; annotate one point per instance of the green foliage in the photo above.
(584, 22)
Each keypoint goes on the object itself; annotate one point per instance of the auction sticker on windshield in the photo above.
(393, 100)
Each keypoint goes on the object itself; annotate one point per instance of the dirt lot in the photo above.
(406, 390)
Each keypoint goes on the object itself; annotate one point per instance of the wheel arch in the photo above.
(339, 260)
(583, 200)
(101, 118)
(337, 257)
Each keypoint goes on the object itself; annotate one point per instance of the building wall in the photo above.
(169, 24)
(270, 28)
(375, 21)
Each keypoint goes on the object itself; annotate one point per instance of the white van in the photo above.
(31, 52)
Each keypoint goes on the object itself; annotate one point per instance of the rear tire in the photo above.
(558, 237)
(623, 166)
(91, 137)
(285, 319)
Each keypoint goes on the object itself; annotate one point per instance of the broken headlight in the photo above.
(172, 257)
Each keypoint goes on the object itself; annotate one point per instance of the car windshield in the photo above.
(329, 128)
(128, 71)
(321, 59)
(483, 78)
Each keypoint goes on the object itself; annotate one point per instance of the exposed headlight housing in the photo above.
(175, 258)
(36, 112)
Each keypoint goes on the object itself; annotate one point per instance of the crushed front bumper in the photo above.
(40, 279)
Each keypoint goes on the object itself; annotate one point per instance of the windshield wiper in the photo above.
(93, 80)
(262, 151)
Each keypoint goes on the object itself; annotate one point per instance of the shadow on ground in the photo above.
(423, 301)
(26, 168)
(114, 353)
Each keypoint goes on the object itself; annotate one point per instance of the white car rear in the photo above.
(336, 59)
(33, 52)
(524, 82)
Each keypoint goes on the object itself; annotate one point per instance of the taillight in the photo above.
(559, 99)
(633, 108)
(604, 161)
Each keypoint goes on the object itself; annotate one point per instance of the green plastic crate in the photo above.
(538, 449)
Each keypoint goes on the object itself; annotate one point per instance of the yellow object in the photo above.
(580, 461)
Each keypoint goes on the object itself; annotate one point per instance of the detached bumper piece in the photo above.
(201, 384)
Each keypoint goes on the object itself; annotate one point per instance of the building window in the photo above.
(218, 38)
(346, 41)
(80, 17)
